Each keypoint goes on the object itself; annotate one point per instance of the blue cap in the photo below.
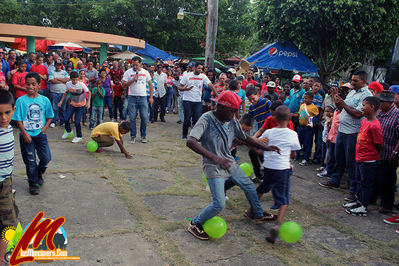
(191, 64)
(394, 88)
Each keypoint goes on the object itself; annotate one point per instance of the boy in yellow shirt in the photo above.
(107, 133)
(308, 113)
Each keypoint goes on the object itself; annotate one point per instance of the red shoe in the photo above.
(99, 150)
(393, 220)
(397, 231)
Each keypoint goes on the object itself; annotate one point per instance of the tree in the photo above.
(333, 32)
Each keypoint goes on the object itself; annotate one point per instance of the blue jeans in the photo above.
(331, 159)
(345, 151)
(124, 110)
(218, 203)
(170, 97)
(78, 117)
(365, 176)
(96, 116)
(55, 99)
(180, 107)
(39, 145)
(108, 103)
(138, 103)
(305, 135)
(192, 110)
(118, 106)
(318, 140)
(44, 92)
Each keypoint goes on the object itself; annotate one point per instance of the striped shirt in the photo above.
(6, 152)
(260, 111)
(390, 130)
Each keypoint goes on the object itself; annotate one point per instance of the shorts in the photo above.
(278, 181)
(104, 140)
(8, 208)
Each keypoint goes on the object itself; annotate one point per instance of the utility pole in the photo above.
(211, 32)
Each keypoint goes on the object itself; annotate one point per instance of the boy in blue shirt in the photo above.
(33, 115)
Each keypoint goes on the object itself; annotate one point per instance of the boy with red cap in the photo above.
(212, 137)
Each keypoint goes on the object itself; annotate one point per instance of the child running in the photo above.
(212, 137)
(78, 104)
(33, 115)
(277, 168)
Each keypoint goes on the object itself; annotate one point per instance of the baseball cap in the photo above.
(333, 84)
(297, 78)
(271, 84)
(394, 88)
(229, 99)
(376, 86)
(347, 85)
(232, 71)
(191, 64)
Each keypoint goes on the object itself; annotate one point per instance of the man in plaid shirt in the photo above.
(389, 120)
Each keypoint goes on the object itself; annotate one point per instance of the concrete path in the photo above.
(135, 212)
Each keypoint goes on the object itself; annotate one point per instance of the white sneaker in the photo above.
(144, 140)
(76, 140)
(303, 163)
(132, 140)
(351, 205)
(52, 125)
(358, 211)
(66, 135)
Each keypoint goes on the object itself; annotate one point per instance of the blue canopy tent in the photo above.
(279, 56)
(151, 52)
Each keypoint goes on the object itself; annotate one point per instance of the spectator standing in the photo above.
(107, 85)
(74, 60)
(18, 79)
(5, 66)
(41, 69)
(58, 79)
(160, 94)
(135, 79)
(350, 120)
(296, 94)
(118, 101)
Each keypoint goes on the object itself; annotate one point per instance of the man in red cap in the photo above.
(212, 137)
(376, 88)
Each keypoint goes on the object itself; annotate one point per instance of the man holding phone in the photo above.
(192, 84)
(135, 79)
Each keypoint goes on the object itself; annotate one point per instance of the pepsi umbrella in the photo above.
(282, 56)
(69, 47)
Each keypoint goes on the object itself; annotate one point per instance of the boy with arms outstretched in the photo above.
(212, 137)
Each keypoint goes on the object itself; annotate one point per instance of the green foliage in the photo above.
(333, 32)
(155, 21)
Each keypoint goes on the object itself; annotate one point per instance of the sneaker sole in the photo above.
(355, 214)
(198, 237)
(388, 222)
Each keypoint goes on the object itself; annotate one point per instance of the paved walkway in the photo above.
(134, 212)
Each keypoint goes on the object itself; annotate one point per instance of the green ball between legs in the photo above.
(215, 227)
(92, 146)
(246, 168)
(290, 232)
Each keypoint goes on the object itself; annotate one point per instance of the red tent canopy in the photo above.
(40, 45)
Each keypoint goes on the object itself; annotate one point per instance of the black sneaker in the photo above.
(351, 197)
(266, 218)
(197, 231)
(41, 180)
(34, 190)
(358, 211)
(327, 185)
(271, 238)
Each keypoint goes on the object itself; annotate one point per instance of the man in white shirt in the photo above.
(192, 85)
(58, 79)
(135, 79)
(160, 94)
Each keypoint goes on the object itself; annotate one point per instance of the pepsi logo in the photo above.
(273, 51)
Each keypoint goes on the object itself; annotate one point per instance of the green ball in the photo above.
(92, 146)
(215, 227)
(205, 180)
(246, 168)
(290, 232)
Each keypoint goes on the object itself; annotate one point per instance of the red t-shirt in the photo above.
(246, 82)
(370, 133)
(42, 70)
(118, 90)
(116, 73)
(270, 122)
(19, 79)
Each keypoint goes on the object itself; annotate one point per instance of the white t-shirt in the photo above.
(177, 83)
(78, 86)
(287, 141)
(161, 80)
(197, 82)
(137, 88)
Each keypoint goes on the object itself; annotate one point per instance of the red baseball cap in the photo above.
(297, 78)
(229, 99)
(376, 86)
